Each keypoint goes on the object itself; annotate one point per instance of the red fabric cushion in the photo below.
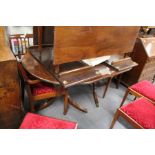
(42, 88)
(142, 111)
(145, 88)
(39, 88)
(35, 121)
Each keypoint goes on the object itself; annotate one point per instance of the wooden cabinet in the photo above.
(47, 36)
(144, 54)
(10, 101)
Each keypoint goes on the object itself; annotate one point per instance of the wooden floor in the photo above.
(96, 118)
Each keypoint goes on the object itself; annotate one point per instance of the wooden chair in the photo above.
(35, 121)
(141, 89)
(38, 90)
(139, 113)
(19, 43)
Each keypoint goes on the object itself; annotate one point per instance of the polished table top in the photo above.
(66, 78)
(39, 64)
(37, 70)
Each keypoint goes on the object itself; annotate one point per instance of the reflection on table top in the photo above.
(39, 64)
(36, 69)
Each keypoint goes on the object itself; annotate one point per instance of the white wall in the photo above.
(19, 29)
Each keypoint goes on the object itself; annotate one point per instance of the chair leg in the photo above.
(22, 91)
(135, 98)
(45, 104)
(66, 100)
(117, 114)
(124, 98)
(32, 108)
(23, 98)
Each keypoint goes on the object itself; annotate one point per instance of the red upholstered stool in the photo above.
(35, 121)
(141, 89)
(140, 113)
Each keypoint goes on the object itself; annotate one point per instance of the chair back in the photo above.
(22, 73)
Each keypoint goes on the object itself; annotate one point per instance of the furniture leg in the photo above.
(75, 105)
(117, 114)
(118, 81)
(107, 86)
(66, 100)
(95, 96)
(46, 104)
(125, 96)
(135, 98)
(32, 109)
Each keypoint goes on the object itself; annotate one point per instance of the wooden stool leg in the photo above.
(125, 96)
(135, 98)
(117, 114)
(107, 86)
(65, 104)
(95, 96)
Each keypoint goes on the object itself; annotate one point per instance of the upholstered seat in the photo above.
(142, 111)
(141, 89)
(35, 121)
(42, 88)
(38, 90)
(145, 88)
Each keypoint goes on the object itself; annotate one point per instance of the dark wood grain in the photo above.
(47, 35)
(74, 43)
(70, 73)
(10, 100)
(143, 54)
(37, 70)
(124, 64)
